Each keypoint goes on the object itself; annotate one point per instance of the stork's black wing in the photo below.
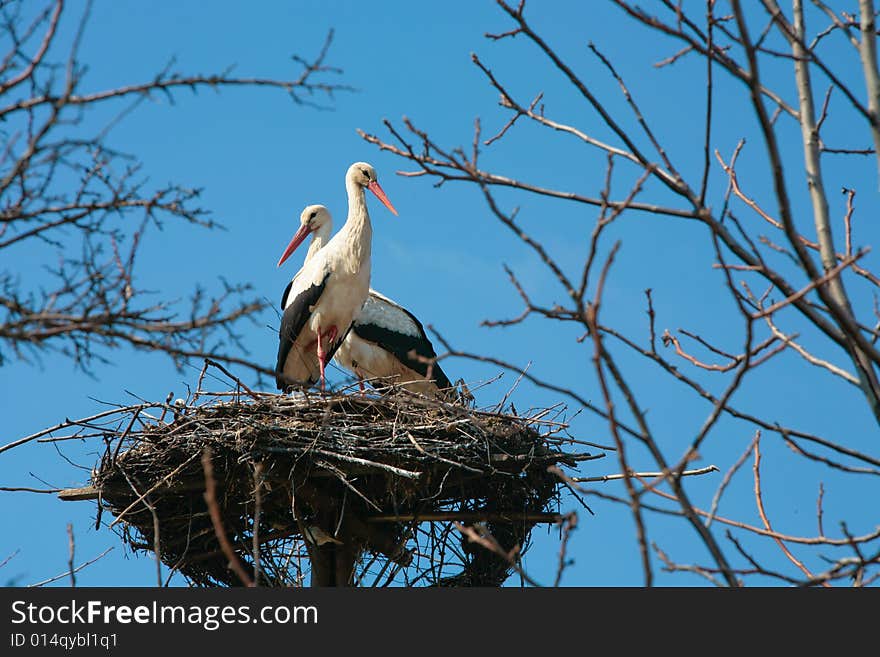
(285, 293)
(401, 344)
(292, 322)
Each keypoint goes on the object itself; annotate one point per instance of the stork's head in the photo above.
(315, 219)
(364, 175)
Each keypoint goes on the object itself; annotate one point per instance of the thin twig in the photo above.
(70, 544)
(645, 475)
(70, 571)
(759, 501)
(217, 520)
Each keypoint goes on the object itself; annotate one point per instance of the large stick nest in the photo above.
(394, 474)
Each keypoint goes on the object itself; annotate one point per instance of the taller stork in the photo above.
(387, 344)
(330, 289)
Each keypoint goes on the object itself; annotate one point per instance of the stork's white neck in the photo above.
(358, 230)
(319, 240)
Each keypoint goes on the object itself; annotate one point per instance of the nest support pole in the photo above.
(335, 534)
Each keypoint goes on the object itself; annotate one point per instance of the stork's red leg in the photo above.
(361, 385)
(321, 356)
(330, 336)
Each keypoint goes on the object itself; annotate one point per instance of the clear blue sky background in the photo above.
(260, 159)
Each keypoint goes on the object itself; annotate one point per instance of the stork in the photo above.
(315, 221)
(384, 335)
(387, 344)
(330, 289)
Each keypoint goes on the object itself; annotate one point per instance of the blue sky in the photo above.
(260, 159)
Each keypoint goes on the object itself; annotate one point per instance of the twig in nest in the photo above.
(152, 489)
(645, 475)
(238, 381)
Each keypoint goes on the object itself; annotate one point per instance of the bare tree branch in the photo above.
(87, 207)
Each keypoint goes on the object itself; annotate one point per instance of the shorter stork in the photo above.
(386, 344)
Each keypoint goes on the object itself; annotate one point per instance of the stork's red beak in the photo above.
(298, 239)
(374, 187)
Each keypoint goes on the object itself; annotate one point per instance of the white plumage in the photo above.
(381, 310)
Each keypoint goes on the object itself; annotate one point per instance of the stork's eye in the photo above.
(312, 216)
(366, 173)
